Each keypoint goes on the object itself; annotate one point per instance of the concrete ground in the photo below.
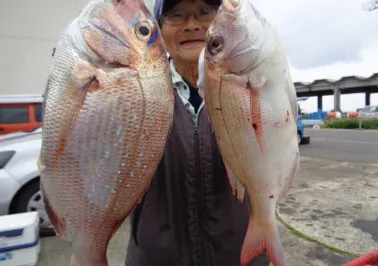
(329, 217)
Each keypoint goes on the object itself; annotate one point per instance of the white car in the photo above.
(19, 176)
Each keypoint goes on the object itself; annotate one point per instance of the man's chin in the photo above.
(192, 55)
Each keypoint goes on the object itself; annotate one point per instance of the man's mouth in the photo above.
(194, 41)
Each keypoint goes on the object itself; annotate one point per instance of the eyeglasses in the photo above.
(180, 17)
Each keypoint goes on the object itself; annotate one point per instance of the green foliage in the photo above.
(352, 124)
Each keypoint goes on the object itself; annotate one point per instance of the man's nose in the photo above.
(192, 24)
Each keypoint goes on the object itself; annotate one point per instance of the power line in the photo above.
(370, 5)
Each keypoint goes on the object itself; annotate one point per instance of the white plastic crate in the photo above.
(19, 239)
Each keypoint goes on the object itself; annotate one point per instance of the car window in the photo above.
(14, 115)
(38, 113)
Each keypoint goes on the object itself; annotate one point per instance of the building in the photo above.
(29, 30)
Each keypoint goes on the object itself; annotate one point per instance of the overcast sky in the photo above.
(326, 39)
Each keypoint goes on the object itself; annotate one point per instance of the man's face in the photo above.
(184, 29)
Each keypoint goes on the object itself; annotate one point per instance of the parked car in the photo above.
(19, 176)
(302, 139)
(20, 113)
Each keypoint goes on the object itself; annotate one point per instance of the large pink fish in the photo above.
(108, 112)
(245, 79)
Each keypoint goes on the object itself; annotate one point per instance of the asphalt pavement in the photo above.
(342, 145)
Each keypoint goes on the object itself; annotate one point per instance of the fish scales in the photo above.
(106, 120)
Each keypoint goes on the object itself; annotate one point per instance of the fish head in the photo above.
(122, 33)
(236, 39)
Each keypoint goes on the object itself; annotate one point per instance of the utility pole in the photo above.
(370, 5)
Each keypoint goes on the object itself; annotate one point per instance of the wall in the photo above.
(29, 30)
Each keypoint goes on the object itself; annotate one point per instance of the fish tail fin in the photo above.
(259, 238)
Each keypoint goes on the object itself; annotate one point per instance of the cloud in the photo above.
(364, 64)
(325, 39)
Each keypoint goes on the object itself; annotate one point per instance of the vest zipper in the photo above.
(203, 258)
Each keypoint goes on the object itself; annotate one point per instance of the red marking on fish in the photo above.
(287, 116)
(256, 116)
(271, 197)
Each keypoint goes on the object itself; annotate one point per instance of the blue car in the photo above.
(302, 139)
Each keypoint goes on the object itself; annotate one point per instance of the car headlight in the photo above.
(5, 156)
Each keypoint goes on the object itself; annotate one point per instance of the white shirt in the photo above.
(183, 91)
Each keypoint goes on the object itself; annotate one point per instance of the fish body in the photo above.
(108, 110)
(245, 80)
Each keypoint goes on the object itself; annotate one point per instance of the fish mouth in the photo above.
(231, 6)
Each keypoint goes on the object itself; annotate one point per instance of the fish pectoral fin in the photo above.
(240, 81)
(82, 77)
(256, 82)
(238, 190)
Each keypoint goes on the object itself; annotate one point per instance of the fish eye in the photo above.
(143, 30)
(216, 44)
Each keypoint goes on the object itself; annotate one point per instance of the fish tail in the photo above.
(262, 237)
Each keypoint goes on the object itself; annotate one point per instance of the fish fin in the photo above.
(201, 75)
(262, 237)
(239, 81)
(231, 179)
(292, 173)
(238, 190)
(58, 222)
(117, 226)
(41, 166)
(84, 79)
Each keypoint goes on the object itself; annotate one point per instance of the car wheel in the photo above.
(30, 199)
(299, 138)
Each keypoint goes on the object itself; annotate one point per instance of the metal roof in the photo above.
(335, 81)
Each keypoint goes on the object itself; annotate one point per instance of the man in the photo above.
(189, 216)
